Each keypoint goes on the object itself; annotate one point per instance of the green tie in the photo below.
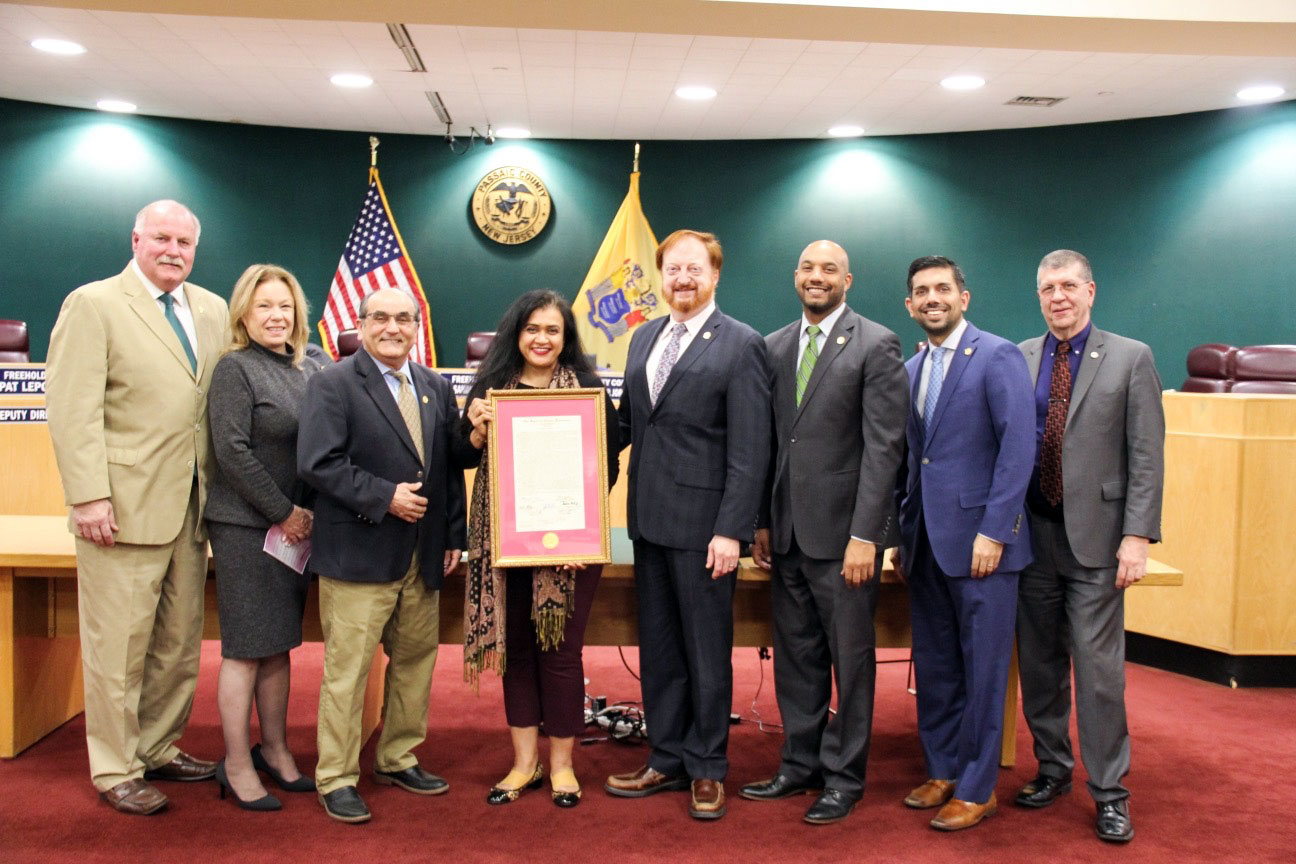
(808, 359)
(168, 304)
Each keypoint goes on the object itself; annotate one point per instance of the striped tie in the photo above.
(410, 411)
(168, 307)
(808, 358)
(933, 388)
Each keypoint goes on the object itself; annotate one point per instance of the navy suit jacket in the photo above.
(353, 447)
(970, 475)
(698, 458)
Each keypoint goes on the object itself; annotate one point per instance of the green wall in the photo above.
(1188, 220)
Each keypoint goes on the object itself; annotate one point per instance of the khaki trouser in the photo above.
(355, 616)
(141, 611)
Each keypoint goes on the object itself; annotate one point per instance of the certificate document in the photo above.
(548, 476)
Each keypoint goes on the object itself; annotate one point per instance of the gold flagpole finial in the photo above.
(636, 159)
(373, 151)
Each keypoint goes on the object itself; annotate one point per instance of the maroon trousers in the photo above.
(546, 688)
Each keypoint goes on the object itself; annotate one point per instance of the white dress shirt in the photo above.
(825, 328)
(181, 305)
(692, 327)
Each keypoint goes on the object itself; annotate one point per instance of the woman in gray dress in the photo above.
(256, 392)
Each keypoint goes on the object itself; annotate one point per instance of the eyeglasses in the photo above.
(404, 319)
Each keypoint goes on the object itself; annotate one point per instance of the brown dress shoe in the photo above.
(184, 768)
(138, 797)
(933, 793)
(957, 815)
(642, 783)
(708, 801)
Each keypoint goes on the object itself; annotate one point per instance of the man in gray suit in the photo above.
(1094, 504)
(840, 397)
(695, 407)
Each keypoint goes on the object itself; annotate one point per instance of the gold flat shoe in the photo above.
(511, 787)
(565, 798)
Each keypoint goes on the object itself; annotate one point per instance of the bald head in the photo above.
(822, 279)
(164, 241)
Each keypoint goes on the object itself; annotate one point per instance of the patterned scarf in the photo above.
(552, 590)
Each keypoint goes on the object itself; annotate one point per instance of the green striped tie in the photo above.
(808, 359)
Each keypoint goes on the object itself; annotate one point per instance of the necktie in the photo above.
(410, 411)
(1055, 425)
(808, 358)
(934, 379)
(168, 309)
(668, 358)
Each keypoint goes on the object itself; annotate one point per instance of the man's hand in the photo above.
(452, 557)
(480, 415)
(405, 504)
(761, 549)
(722, 556)
(1131, 560)
(985, 556)
(857, 563)
(897, 561)
(297, 527)
(94, 521)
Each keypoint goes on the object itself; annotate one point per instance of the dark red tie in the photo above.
(1055, 424)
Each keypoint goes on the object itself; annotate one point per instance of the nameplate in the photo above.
(22, 379)
(22, 415)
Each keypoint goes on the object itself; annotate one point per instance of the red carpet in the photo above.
(1211, 783)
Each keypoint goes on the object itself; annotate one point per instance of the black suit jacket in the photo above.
(698, 460)
(353, 447)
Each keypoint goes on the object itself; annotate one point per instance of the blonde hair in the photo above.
(241, 301)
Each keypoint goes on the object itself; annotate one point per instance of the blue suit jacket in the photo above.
(970, 476)
(699, 456)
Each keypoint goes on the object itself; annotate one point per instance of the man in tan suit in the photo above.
(129, 363)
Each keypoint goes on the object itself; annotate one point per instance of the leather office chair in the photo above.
(348, 342)
(478, 343)
(1218, 368)
(15, 346)
(1210, 368)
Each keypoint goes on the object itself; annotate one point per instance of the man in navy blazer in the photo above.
(964, 538)
(376, 439)
(696, 409)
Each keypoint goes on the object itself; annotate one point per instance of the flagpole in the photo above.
(636, 158)
(373, 151)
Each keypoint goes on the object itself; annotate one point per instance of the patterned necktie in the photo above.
(1055, 425)
(410, 411)
(168, 309)
(667, 362)
(934, 380)
(808, 358)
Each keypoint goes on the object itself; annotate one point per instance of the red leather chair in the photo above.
(348, 342)
(15, 346)
(478, 343)
(1219, 368)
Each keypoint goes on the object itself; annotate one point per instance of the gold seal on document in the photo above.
(511, 205)
(549, 540)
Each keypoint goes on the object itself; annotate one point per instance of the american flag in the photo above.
(374, 258)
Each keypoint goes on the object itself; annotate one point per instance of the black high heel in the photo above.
(263, 804)
(301, 784)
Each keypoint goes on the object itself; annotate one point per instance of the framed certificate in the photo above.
(549, 494)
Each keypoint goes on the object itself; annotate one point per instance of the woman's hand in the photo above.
(480, 415)
(571, 567)
(297, 527)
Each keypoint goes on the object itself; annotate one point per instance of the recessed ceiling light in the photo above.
(118, 105)
(846, 131)
(695, 92)
(963, 82)
(353, 80)
(512, 132)
(57, 46)
(1260, 92)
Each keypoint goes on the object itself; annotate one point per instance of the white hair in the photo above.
(141, 218)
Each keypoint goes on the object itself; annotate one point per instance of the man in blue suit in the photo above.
(696, 409)
(964, 538)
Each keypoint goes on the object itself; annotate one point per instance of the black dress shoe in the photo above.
(301, 784)
(1042, 791)
(833, 805)
(779, 786)
(413, 779)
(345, 805)
(263, 804)
(1114, 824)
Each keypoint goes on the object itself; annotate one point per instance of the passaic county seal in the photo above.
(511, 205)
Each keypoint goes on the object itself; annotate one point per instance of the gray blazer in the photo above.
(1113, 448)
(835, 457)
(698, 460)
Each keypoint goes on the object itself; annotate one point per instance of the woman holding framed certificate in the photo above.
(539, 497)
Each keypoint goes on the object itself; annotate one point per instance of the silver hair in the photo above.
(364, 301)
(166, 203)
(1065, 258)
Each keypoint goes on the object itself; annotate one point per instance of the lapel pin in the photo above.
(841, 340)
(425, 400)
(1093, 354)
(968, 351)
(706, 335)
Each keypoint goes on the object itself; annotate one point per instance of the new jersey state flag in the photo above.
(622, 289)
